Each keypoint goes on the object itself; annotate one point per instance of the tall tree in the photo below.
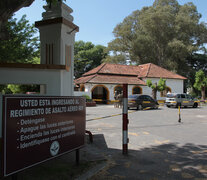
(164, 34)
(196, 62)
(22, 45)
(160, 86)
(87, 56)
(115, 59)
(201, 83)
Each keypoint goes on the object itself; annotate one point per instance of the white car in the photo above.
(185, 100)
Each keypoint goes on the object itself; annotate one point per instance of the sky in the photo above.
(97, 18)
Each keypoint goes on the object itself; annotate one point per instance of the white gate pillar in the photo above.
(57, 36)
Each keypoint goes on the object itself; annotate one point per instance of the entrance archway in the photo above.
(136, 90)
(100, 94)
(118, 89)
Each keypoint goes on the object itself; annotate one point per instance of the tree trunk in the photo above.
(203, 93)
(154, 94)
(7, 9)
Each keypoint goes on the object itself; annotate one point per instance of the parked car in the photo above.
(141, 101)
(185, 100)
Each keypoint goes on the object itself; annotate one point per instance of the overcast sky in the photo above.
(97, 18)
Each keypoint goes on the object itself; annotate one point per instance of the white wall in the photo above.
(89, 87)
(50, 78)
(81, 93)
(176, 86)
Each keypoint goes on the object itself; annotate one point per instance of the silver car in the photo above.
(184, 100)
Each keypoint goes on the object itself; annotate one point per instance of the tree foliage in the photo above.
(160, 86)
(86, 57)
(164, 34)
(22, 46)
(115, 59)
(8, 8)
(18, 89)
(201, 82)
(196, 62)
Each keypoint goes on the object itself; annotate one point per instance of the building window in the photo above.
(136, 90)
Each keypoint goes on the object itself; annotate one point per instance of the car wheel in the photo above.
(195, 105)
(168, 106)
(139, 107)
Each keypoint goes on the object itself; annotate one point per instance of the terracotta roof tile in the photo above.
(114, 69)
(95, 70)
(119, 69)
(84, 79)
(117, 74)
(110, 79)
(152, 70)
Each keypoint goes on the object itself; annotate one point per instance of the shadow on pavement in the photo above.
(163, 162)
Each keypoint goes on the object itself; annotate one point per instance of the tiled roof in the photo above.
(118, 74)
(153, 71)
(95, 70)
(114, 69)
(109, 79)
(84, 79)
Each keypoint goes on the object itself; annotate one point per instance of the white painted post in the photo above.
(125, 119)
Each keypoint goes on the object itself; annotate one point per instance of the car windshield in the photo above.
(171, 95)
(133, 96)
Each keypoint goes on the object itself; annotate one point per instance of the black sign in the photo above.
(39, 128)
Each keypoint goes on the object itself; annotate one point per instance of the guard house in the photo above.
(104, 81)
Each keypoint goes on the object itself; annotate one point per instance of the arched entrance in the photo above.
(136, 90)
(118, 90)
(100, 94)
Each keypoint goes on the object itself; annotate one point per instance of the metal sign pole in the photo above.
(125, 119)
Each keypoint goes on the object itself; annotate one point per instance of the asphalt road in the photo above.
(159, 146)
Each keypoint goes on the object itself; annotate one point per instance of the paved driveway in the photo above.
(159, 146)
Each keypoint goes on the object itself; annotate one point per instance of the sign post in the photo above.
(40, 128)
(179, 116)
(125, 119)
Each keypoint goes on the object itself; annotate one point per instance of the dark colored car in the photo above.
(141, 101)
